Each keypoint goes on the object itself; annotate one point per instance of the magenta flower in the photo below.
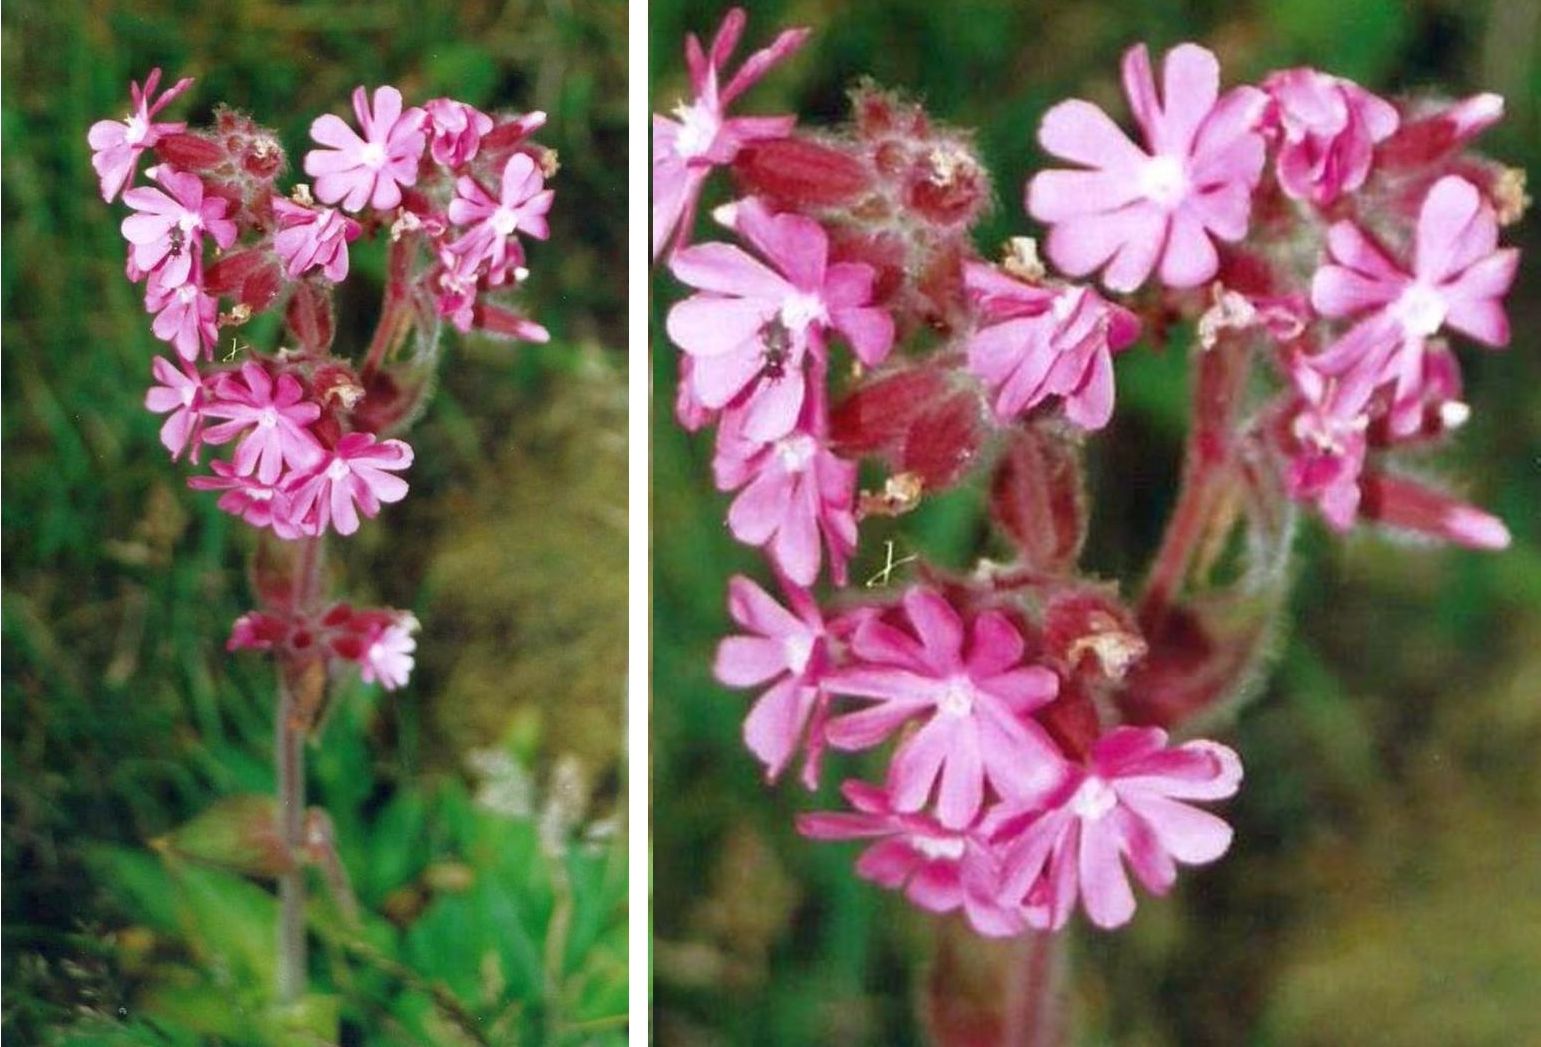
(794, 490)
(1034, 342)
(185, 316)
(704, 136)
(182, 393)
(973, 692)
(1126, 804)
(455, 131)
(1326, 450)
(372, 169)
(313, 238)
(751, 325)
(1459, 276)
(275, 419)
(355, 476)
(117, 144)
(259, 504)
(167, 232)
(938, 869)
(787, 649)
(521, 206)
(1328, 129)
(1132, 209)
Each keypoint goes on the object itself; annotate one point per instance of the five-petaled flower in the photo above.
(520, 207)
(167, 233)
(272, 418)
(1130, 209)
(370, 170)
(1328, 128)
(703, 137)
(354, 477)
(117, 144)
(313, 238)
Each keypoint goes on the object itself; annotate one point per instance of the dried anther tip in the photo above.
(550, 164)
(407, 223)
(901, 493)
(300, 194)
(1021, 260)
(1510, 200)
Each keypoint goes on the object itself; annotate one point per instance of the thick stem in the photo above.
(395, 309)
(290, 746)
(1219, 381)
(289, 749)
(984, 992)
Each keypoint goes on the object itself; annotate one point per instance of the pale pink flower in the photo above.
(388, 658)
(703, 137)
(972, 689)
(454, 131)
(1125, 804)
(369, 170)
(185, 316)
(1458, 277)
(1328, 128)
(353, 478)
(313, 238)
(1132, 209)
(751, 325)
(116, 145)
(273, 419)
(793, 491)
(1035, 341)
(167, 233)
(520, 207)
(785, 648)
(182, 397)
(938, 869)
(259, 504)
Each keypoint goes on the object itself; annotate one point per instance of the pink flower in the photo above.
(185, 316)
(355, 476)
(1459, 275)
(388, 659)
(313, 238)
(167, 233)
(455, 131)
(117, 144)
(751, 325)
(1327, 450)
(787, 649)
(1131, 208)
(380, 641)
(257, 631)
(1034, 342)
(274, 418)
(1124, 805)
(794, 490)
(939, 869)
(259, 504)
(521, 206)
(704, 136)
(1328, 130)
(369, 170)
(182, 393)
(973, 692)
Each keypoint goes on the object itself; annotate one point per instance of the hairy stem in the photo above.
(395, 309)
(289, 749)
(983, 992)
(1220, 376)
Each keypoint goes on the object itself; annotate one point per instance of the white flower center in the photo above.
(186, 293)
(800, 310)
(189, 221)
(267, 418)
(504, 221)
(372, 155)
(1420, 310)
(337, 470)
(935, 847)
(1094, 799)
(1163, 181)
(796, 452)
(138, 129)
(957, 699)
(798, 650)
(699, 125)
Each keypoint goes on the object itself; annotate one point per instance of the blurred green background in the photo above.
(477, 809)
(1385, 883)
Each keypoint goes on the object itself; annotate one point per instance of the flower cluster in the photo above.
(1305, 226)
(311, 432)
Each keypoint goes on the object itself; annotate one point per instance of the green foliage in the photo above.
(123, 716)
(1406, 695)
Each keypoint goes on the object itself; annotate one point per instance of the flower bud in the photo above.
(1038, 497)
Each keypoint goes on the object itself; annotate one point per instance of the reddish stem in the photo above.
(395, 309)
